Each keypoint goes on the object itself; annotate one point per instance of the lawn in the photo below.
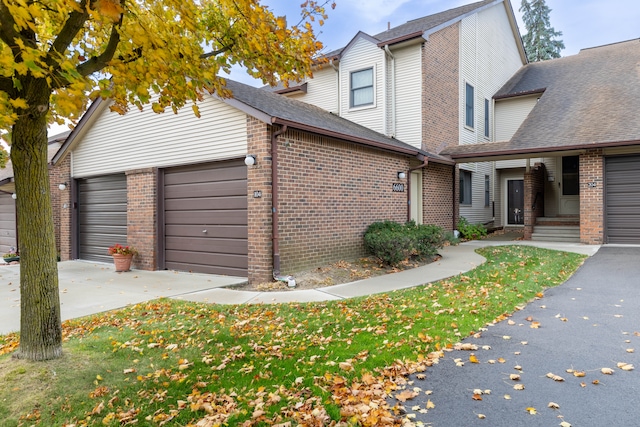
(174, 363)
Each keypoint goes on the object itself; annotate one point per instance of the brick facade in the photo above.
(61, 206)
(440, 88)
(438, 197)
(592, 197)
(142, 215)
(534, 181)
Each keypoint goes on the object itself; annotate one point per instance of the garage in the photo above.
(205, 218)
(8, 238)
(102, 215)
(622, 200)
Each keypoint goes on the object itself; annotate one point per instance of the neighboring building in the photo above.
(177, 188)
(575, 120)
(429, 83)
(9, 236)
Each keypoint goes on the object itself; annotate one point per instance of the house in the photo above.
(9, 237)
(198, 194)
(430, 83)
(570, 127)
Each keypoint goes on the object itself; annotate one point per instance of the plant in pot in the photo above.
(11, 256)
(122, 256)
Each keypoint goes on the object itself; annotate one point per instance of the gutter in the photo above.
(393, 91)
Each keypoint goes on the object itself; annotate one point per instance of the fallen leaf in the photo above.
(565, 424)
(421, 376)
(630, 350)
(579, 374)
(607, 371)
(430, 404)
(532, 410)
(482, 416)
(477, 391)
(595, 382)
(514, 377)
(518, 387)
(535, 325)
(477, 397)
(625, 366)
(473, 359)
(507, 397)
(555, 377)
(553, 405)
(406, 395)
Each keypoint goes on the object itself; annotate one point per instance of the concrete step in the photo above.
(558, 220)
(566, 238)
(557, 229)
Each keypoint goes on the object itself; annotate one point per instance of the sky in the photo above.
(583, 23)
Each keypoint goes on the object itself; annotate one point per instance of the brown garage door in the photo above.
(7, 223)
(622, 199)
(205, 217)
(102, 215)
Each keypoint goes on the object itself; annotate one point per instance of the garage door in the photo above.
(622, 199)
(102, 215)
(7, 223)
(205, 217)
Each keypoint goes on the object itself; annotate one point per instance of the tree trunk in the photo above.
(40, 323)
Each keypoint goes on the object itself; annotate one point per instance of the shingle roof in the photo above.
(589, 99)
(430, 22)
(309, 117)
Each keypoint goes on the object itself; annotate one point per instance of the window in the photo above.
(487, 190)
(570, 176)
(487, 133)
(468, 117)
(362, 88)
(465, 187)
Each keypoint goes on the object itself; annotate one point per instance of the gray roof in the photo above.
(301, 115)
(587, 100)
(430, 22)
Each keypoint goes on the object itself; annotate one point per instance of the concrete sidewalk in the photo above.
(89, 288)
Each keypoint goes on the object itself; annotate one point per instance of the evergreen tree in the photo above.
(540, 41)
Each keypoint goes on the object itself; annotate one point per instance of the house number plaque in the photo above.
(257, 194)
(398, 187)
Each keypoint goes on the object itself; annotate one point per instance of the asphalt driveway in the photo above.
(590, 322)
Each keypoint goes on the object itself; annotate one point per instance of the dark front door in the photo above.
(515, 202)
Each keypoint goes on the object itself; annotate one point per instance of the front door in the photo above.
(569, 185)
(416, 196)
(515, 202)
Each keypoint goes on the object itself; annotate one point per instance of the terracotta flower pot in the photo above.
(122, 262)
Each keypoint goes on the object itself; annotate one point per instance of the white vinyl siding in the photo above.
(361, 55)
(510, 114)
(322, 90)
(408, 107)
(489, 56)
(141, 139)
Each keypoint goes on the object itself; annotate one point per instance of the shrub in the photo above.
(470, 231)
(392, 242)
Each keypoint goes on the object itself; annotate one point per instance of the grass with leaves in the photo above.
(169, 362)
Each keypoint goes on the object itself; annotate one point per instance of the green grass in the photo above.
(183, 363)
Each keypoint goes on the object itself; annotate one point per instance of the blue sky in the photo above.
(584, 23)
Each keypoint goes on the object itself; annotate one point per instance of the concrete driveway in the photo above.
(89, 288)
(590, 322)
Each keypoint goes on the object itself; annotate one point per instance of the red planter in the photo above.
(122, 262)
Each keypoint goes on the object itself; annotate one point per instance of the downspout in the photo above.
(337, 70)
(425, 162)
(393, 90)
(274, 200)
(453, 209)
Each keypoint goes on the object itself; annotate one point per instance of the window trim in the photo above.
(487, 191)
(461, 197)
(373, 87)
(487, 117)
(469, 119)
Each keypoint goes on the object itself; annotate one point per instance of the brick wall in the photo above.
(592, 198)
(438, 195)
(259, 209)
(141, 216)
(441, 76)
(61, 206)
(330, 191)
(534, 182)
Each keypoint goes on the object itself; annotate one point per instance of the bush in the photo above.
(470, 231)
(392, 242)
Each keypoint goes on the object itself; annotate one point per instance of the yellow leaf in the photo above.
(430, 404)
(579, 374)
(532, 410)
(196, 110)
(99, 377)
(18, 103)
(473, 359)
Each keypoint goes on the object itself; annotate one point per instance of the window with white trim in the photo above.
(469, 100)
(362, 88)
(465, 187)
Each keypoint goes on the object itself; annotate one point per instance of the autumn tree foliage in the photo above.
(541, 40)
(57, 55)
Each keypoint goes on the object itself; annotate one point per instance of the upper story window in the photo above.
(362, 88)
(469, 97)
(487, 122)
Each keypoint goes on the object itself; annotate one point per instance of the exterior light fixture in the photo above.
(250, 160)
(62, 186)
(402, 175)
(13, 196)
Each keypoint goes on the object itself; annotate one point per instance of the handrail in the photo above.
(535, 200)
